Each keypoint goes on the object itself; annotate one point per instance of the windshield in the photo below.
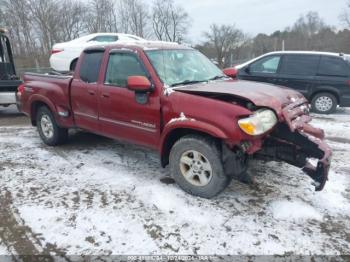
(182, 66)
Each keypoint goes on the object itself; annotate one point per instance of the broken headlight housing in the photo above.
(260, 122)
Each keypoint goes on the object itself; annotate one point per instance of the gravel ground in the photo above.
(96, 196)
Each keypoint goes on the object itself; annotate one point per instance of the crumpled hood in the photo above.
(260, 94)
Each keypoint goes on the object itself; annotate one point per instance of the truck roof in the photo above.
(141, 45)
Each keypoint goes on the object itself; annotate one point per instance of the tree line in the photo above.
(228, 45)
(36, 25)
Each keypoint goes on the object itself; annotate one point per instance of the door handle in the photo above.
(105, 95)
(91, 92)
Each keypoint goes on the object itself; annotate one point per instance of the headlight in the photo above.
(258, 123)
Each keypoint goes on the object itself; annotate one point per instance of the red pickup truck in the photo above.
(204, 123)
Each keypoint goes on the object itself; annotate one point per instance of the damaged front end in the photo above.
(296, 142)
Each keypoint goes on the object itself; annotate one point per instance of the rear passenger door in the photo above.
(263, 70)
(333, 76)
(298, 71)
(84, 91)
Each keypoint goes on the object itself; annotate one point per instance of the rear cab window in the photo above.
(333, 66)
(90, 66)
(302, 65)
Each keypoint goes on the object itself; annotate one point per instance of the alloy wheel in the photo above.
(196, 168)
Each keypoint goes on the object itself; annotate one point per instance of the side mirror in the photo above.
(231, 72)
(139, 84)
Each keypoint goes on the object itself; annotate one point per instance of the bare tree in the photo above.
(169, 21)
(20, 26)
(345, 16)
(309, 24)
(134, 17)
(47, 22)
(224, 38)
(102, 16)
(72, 16)
(303, 33)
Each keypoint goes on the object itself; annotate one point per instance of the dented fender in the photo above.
(188, 123)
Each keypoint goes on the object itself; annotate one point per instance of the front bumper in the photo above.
(298, 143)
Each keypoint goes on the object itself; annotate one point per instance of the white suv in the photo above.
(65, 55)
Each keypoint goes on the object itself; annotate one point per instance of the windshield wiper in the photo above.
(188, 82)
(217, 77)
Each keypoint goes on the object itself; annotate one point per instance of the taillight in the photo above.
(55, 51)
(348, 82)
(21, 88)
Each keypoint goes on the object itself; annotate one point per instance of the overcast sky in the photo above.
(257, 16)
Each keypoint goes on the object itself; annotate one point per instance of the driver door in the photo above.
(120, 115)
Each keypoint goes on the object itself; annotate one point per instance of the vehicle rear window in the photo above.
(90, 67)
(121, 66)
(305, 65)
(333, 66)
(105, 38)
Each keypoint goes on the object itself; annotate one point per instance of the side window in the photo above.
(90, 67)
(121, 66)
(267, 65)
(333, 66)
(105, 38)
(305, 65)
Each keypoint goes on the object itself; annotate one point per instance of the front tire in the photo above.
(49, 131)
(196, 166)
(324, 103)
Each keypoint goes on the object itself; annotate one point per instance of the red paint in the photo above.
(139, 83)
(231, 72)
(55, 51)
(21, 89)
(112, 111)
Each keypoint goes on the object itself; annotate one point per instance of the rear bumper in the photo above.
(345, 101)
(298, 143)
(7, 98)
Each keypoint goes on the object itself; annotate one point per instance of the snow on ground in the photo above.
(99, 196)
(3, 250)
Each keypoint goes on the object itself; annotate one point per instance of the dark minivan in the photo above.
(323, 78)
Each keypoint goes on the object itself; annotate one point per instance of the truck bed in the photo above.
(46, 88)
(47, 77)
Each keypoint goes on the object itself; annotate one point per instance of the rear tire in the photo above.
(324, 103)
(49, 131)
(196, 166)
